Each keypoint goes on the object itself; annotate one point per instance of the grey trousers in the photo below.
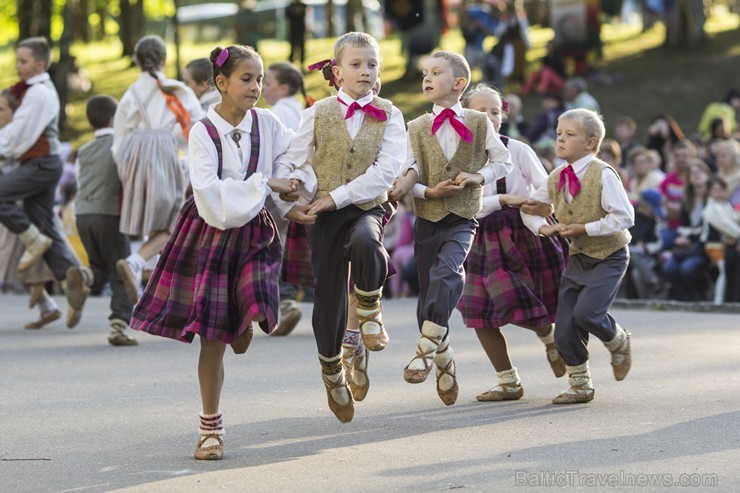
(338, 238)
(440, 249)
(105, 245)
(34, 182)
(587, 289)
(287, 291)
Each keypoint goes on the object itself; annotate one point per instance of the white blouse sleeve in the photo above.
(228, 202)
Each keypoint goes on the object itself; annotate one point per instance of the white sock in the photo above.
(619, 339)
(136, 262)
(549, 338)
(430, 330)
(579, 376)
(48, 305)
(508, 377)
(441, 360)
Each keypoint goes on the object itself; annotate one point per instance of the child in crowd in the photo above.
(512, 275)
(31, 138)
(551, 77)
(595, 214)
(98, 215)
(721, 216)
(219, 270)
(672, 189)
(644, 174)
(151, 126)
(198, 76)
(282, 82)
(11, 247)
(347, 151)
(451, 154)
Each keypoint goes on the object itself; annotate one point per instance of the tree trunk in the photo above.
(125, 28)
(101, 8)
(66, 61)
(685, 24)
(350, 10)
(176, 29)
(81, 22)
(34, 18)
(329, 18)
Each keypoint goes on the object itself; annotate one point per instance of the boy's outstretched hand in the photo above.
(572, 230)
(298, 214)
(321, 205)
(469, 179)
(447, 188)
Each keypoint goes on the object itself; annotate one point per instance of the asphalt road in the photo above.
(77, 414)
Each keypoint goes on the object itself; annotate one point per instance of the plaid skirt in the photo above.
(513, 275)
(297, 269)
(212, 282)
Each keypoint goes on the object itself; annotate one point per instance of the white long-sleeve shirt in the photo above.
(232, 202)
(40, 108)
(127, 117)
(499, 157)
(620, 214)
(527, 175)
(377, 179)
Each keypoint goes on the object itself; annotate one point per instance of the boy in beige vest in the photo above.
(594, 213)
(346, 154)
(451, 154)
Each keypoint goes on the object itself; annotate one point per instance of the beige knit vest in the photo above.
(434, 167)
(585, 208)
(339, 159)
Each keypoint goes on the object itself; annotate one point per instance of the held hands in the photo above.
(282, 185)
(564, 230)
(403, 185)
(298, 214)
(516, 201)
(294, 194)
(469, 179)
(447, 188)
(321, 205)
(534, 208)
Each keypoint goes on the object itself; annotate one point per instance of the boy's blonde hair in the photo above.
(592, 124)
(39, 47)
(354, 39)
(460, 66)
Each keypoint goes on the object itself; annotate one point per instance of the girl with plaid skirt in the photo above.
(512, 275)
(219, 270)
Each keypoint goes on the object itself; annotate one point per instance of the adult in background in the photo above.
(296, 14)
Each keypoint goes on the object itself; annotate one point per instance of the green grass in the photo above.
(654, 80)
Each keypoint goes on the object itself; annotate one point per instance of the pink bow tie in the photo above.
(462, 130)
(574, 184)
(369, 109)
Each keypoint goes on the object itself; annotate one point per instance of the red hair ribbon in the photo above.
(321, 65)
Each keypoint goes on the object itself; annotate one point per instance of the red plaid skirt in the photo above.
(513, 275)
(297, 268)
(211, 282)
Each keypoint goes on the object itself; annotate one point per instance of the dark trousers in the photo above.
(440, 249)
(338, 238)
(105, 245)
(35, 182)
(587, 289)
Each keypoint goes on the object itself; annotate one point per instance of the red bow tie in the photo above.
(18, 91)
(462, 130)
(369, 109)
(574, 184)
